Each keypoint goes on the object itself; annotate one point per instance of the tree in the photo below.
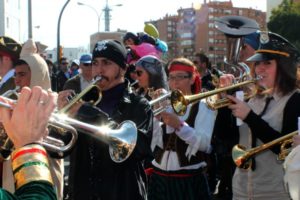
(285, 20)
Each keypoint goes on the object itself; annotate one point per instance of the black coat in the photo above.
(60, 80)
(93, 175)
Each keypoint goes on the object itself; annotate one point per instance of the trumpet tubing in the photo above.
(121, 141)
(158, 108)
(92, 87)
(180, 102)
(242, 157)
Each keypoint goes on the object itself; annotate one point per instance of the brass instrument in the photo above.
(242, 157)
(158, 106)
(121, 141)
(180, 102)
(91, 93)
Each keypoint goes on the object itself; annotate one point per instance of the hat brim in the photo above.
(261, 57)
(86, 62)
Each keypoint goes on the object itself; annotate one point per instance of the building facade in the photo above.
(193, 30)
(13, 18)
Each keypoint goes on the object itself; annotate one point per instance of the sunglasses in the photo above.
(139, 73)
(64, 63)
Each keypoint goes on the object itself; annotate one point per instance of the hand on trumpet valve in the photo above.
(27, 121)
(64, 97)
(240, 109)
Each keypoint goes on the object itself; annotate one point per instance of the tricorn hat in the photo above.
(9, 47)
(271, 46)
(236, 25)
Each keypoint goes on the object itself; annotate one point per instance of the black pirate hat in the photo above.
(9, 47)
(273, 46)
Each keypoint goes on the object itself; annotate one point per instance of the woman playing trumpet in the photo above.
(179, 165)
(267, 117)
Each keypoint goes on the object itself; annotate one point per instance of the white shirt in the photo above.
(198, 138)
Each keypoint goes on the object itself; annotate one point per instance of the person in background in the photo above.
(62, 74)
(9, 53)
(250, 45)
(84, 78)
(100, 177)
(151, 76)
(131, 39)
(52, 74)
(31, 70)
(266, 117)
(26, 125)
(179, 167)
(203, 66)
(74, 68)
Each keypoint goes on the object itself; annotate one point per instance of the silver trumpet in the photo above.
(161, 103)
(121, 140)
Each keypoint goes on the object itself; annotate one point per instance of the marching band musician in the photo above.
(267, 117)
(26, 125)
(179, 165)
(93, 175)
(292, 167)
(31, 70)
(9, 53)
(151, 75)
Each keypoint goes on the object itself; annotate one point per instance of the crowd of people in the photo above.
(184, 151)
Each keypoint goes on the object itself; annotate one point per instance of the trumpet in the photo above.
(160, 107)
(121, 140)
(180, 102)
(91, 93)
(242, 157)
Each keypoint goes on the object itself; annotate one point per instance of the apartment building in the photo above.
(13, 18)
(193, 30)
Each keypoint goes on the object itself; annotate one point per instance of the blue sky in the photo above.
(79, 22)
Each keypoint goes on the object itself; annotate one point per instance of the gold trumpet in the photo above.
(91, 93)
(242, 157)
(180, 102)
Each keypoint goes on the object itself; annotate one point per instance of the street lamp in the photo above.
(106, 11)
(83, 4)
(58, 31)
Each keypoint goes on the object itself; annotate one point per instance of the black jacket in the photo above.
(93, 175)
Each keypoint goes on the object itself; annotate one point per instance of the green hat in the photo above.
(9, 47)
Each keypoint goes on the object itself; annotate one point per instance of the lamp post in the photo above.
(106, 11)
(58, 31)
(29, 19)
(83, 4)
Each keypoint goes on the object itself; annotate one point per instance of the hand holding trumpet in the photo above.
(27, 122)
(239, 108)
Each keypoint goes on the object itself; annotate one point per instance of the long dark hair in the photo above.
(286, 75)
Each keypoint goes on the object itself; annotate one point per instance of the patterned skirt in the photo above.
(178, 185)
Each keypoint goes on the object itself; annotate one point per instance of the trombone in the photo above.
(242, 157)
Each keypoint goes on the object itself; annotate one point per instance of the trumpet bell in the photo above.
(122, 141)
(179, 102)
(240, 157)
